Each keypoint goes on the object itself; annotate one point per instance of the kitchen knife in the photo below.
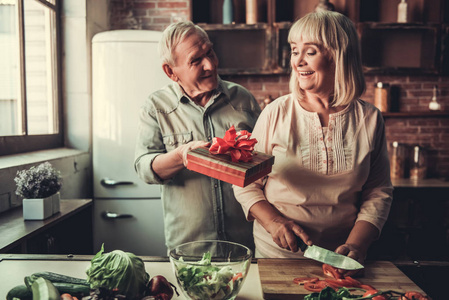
(328, 257)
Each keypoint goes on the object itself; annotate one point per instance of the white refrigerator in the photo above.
(126, 69)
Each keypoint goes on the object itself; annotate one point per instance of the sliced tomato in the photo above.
(367, 287)
(414, 296)
(302, 280)
(373, 292)
(316, 286)
(339, 282)
(330, 271)
(237, 276)
(354, 282)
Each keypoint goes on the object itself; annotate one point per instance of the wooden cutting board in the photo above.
(276, 277)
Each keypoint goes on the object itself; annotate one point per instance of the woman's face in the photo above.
(314, 67)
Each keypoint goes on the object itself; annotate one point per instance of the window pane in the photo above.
(40, 68)
(10, 103)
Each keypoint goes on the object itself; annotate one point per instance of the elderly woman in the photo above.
(330, 183)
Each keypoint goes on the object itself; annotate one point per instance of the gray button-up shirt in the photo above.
(196, 207)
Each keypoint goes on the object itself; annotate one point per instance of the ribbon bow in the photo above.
(238, 144)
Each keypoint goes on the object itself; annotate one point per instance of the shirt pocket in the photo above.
(173, 141)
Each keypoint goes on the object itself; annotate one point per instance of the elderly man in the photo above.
(184, 115)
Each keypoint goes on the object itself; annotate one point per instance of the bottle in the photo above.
(418, 169)
(228, 16)
(285, 60)
(382, 96)
(324, 5)
(397, 161)
(402, 12)
(434, 105)
(251, 11)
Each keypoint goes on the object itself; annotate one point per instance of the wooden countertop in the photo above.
(423, 183)
(15, 230)
(273, 278)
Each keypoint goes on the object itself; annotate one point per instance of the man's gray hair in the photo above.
(173, 35)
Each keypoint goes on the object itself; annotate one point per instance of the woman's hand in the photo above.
(352, 251)
(285, 233)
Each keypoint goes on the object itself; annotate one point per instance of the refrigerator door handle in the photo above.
(106, 182)
(112, 215)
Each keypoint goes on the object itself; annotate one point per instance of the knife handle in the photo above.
(303, 246)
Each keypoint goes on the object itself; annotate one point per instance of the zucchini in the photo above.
(77, 290)
(43, 289)
(20, 292)
(54, 277)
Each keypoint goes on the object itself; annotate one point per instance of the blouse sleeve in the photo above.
(377, 192)
(253, 193)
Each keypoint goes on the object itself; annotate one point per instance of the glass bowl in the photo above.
(210, 269)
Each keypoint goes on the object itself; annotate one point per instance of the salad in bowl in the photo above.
(210, 269)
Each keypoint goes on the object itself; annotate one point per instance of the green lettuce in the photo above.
(119, 270)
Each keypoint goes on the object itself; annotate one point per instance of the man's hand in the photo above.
(184, 149)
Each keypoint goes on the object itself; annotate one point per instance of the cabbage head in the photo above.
(118, 270)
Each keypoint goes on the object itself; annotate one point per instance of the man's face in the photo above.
(195, 66)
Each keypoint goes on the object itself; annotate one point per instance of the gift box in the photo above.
(221, 166)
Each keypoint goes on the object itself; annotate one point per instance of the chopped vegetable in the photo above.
(207, 281)
(375, 295)
(118, 270)
(302, 280)
(330, 271)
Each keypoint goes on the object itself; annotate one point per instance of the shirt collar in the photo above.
(184, 98)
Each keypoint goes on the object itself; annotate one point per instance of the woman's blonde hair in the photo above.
(338, 35)
(173, 35)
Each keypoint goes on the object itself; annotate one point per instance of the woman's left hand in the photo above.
(353, 252)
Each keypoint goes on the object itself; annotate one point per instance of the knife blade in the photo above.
(328, 257)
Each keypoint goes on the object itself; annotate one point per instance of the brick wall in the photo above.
(413, 92)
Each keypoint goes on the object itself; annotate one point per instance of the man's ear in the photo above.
(169, 71)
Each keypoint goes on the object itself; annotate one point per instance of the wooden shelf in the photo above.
(430, 114)
(415, 48)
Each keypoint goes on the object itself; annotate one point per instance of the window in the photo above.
(30, 90)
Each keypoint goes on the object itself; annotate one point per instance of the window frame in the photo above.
(27, 143)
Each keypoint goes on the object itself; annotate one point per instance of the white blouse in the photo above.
(325, 179)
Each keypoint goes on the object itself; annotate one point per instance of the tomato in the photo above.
(373, 292)
(414, 296)
(367, 287)
(331, 272)
(315, 286)
(354, 282)
(301, 280)
(237, 276)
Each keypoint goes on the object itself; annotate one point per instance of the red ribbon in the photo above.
(238, 144)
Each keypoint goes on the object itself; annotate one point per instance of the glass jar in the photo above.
(397, 160)
(382, 96)
(418, 166)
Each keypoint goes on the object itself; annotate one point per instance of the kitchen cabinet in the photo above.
(418, 47)
(66, 232)
(417, 228)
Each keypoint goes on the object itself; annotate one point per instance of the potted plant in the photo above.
(39, 186)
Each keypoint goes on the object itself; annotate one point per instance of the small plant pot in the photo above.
(40, 208)
(56, 200)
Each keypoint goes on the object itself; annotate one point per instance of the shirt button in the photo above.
(218, 209)
(209, 138)
(321, 139)
(324, 161)
(220, 232)
(215, 185)
(324, 149)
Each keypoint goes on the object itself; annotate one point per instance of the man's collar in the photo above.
(184, 98)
